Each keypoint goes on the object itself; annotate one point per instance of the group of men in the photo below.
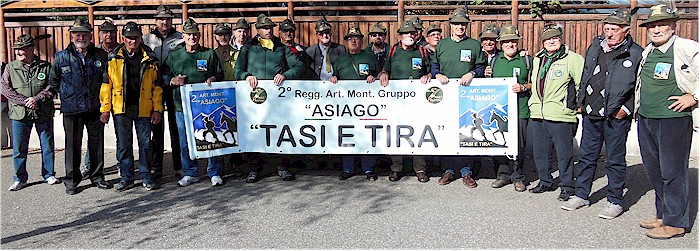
(617, 81)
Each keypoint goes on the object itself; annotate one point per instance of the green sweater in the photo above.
(504, 68)
(458, 58)
(365, 62)
(659, 83)
(264, 64)
(558, 100)
(407, 64)
(197, 66)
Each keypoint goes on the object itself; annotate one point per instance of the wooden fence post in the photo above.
(633, 24)
(185, 15)
(3, 38)
(290, 10)
(514, 12)
(91, 20)
(400, 13)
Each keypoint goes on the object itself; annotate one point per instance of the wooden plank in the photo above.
(36, 4)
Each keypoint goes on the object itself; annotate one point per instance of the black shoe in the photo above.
(102, 184)
(394, 176)
(541, 189)
(344, 176)
(563, 196)
(71, 191)
(372, 176)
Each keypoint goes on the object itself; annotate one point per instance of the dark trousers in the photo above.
(665, 148)
(124, 124)
(546, 134)
(158, 139)
(513, 170)
(74, 125)
(612, 132)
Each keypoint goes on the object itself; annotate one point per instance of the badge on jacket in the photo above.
(416, 63)
(465, 55)
(98, 63)
(201, 65)
(364, 69)
(41, 76)
(65, 69)
(662, 70)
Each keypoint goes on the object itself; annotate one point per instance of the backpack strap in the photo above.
(393, 49)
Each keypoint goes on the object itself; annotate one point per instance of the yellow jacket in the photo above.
(111, 93)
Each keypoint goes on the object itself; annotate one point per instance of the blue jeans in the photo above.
(191, 166)
(367, 163)
(665, 148)
(546, 134)
(20, 142)
(450, 163)
(123, 125)
(612, 132)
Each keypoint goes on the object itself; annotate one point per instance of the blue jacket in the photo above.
(78, 83)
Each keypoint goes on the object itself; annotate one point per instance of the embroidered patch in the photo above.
(364, 69)
(201, 65)
(465, 55)
(416, 63)
(558, 73)
(662, 70)
(41, 76)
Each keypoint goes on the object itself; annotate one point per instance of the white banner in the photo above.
(352, 117)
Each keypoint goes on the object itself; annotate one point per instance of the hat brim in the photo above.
(163, 16)
(80, 29)
(548, 36)
(16, 46)
(656, 19)
(488, 35)
(222, 32)
(132, 34)
(508, 37)
(459, 20)
(348, 36)
(265, 25)
(193, 31)
(614, 20)
(402, 30)
(109, 29)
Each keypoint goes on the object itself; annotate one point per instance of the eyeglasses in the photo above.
(376, 35)
(434, 35)
(323, 33)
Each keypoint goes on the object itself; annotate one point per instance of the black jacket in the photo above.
(622, 75)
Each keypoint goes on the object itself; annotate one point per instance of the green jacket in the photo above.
(31, 83)
(264, 64)
(557, 102)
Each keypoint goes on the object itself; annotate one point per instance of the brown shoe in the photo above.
(498, 183)
(422, 177)
(469, 182)
(445, 179)
(519, 186)
(665, 232)
(651, 224)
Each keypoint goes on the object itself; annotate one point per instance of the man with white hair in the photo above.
(606, 102)
(77, 73)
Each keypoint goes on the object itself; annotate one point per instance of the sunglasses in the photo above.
(376, 35)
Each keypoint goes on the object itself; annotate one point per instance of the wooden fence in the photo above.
(579, 29)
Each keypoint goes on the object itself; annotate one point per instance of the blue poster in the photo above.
(211, 119)
(483, 116)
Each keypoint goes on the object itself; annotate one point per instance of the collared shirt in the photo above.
(664, 47)
(325, 75)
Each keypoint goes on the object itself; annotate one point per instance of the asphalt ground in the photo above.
(318, 211)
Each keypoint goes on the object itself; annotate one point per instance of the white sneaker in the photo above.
(17, 185)
(574, 203)
(52, 180)
(610, 211)
(187, 180)
(216, 181)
